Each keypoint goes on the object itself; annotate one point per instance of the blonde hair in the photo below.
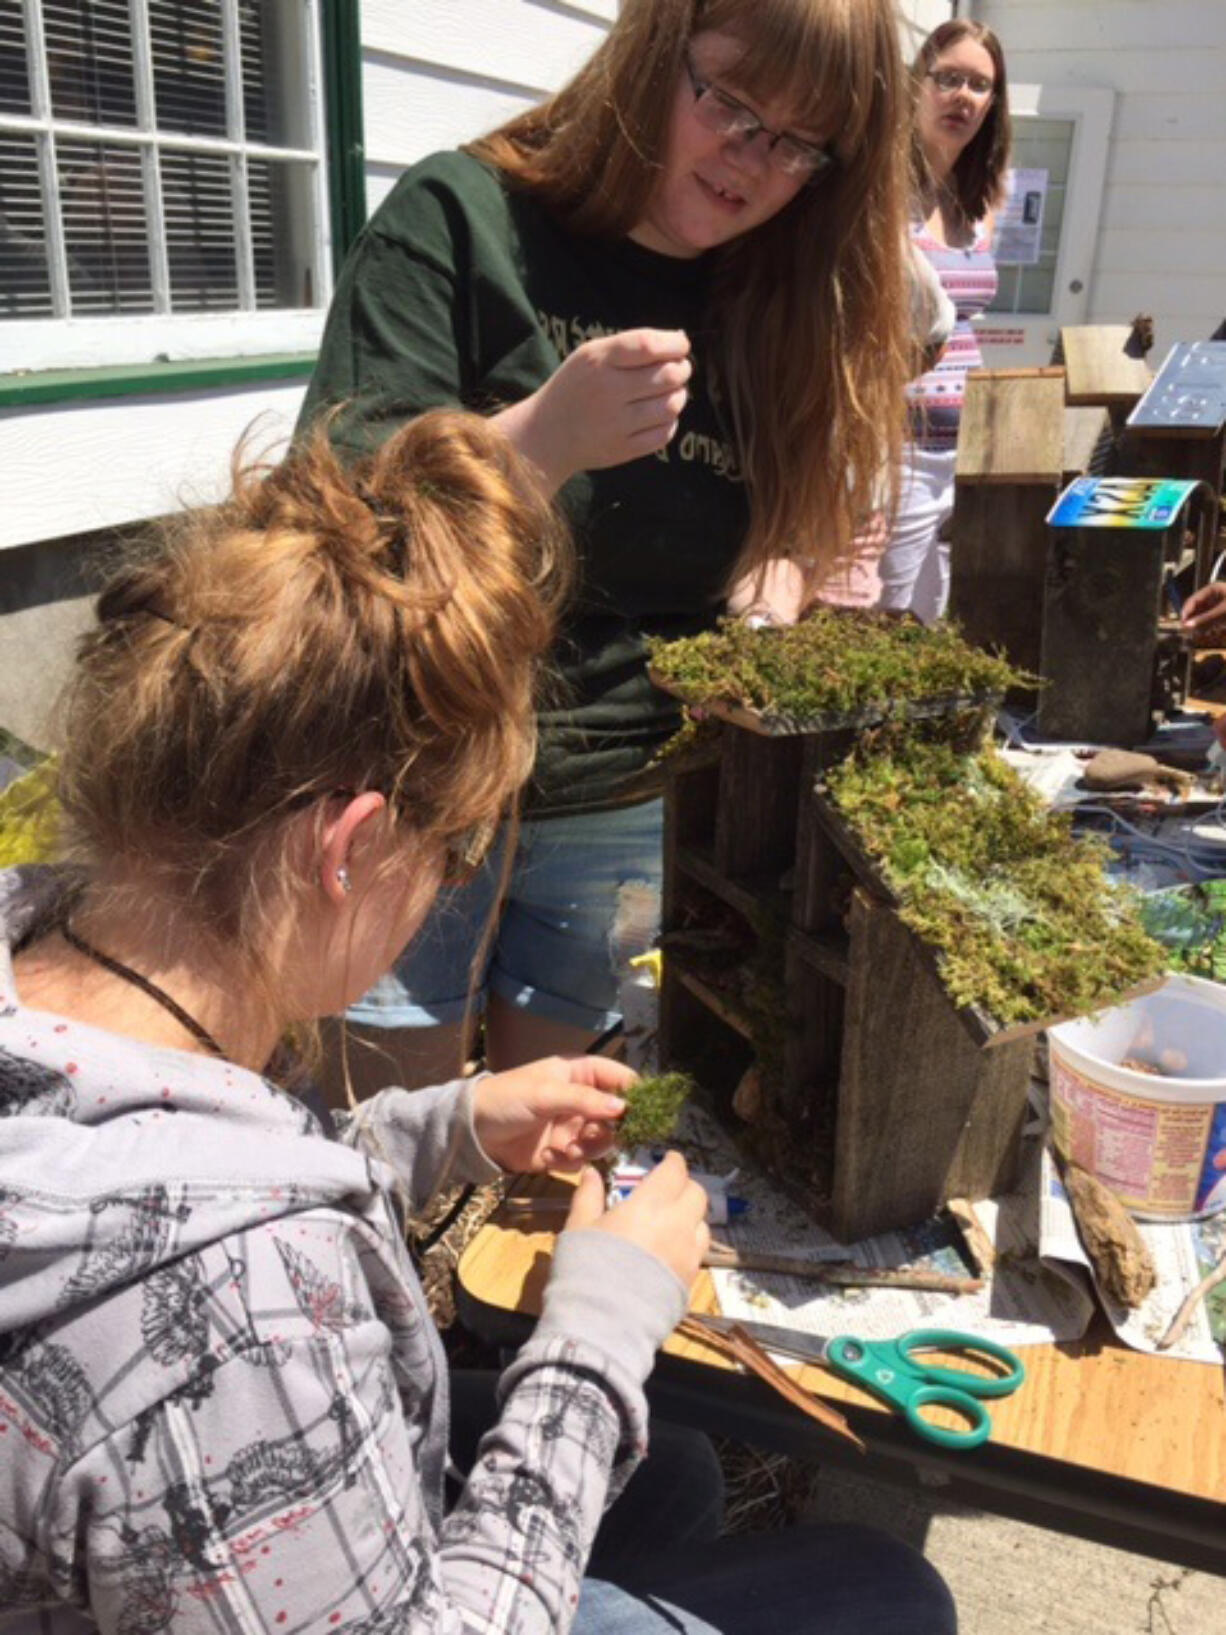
(978, 178)
(812, 342)
(329, 628)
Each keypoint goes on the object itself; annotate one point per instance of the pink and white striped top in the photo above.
(968, 277)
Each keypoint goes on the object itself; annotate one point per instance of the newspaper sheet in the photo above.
(1183, 1252)
(1040, 1290)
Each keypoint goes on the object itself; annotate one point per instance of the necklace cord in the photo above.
(127, 974)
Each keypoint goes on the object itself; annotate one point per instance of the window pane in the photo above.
(260, 87)
(25, 286)
(282, 213)
(103, 205)
(275, 74)
(189, 69)
(198, 203)
(89, 60)
(14, 82)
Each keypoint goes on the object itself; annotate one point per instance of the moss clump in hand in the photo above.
(653, 1106)
(830, 665)
(1026, 925)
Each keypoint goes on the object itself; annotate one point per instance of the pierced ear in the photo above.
(341, 838)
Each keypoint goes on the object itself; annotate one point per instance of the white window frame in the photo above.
(63, 341)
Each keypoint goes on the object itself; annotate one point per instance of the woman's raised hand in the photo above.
(611, 400)
(666, 1215)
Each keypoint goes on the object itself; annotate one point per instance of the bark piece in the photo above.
(1129, 769)
(1122, 1263)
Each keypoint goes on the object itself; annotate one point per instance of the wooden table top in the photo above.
(1095, 1405)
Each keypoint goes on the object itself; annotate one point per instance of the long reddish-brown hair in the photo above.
(978, 178)
(811, 316)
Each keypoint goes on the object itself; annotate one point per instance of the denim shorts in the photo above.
(583, 898)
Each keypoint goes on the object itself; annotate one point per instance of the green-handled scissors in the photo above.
(891, 1369)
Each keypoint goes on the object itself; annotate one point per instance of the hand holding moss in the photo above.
(653, 1107)
(552, 1114)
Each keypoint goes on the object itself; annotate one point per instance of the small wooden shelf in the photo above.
(826, 952)
(716, 1002)
(747, 896)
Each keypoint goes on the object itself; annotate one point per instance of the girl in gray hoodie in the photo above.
(223, 1404)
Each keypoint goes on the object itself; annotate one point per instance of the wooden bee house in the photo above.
(883, 1099)
(1113, 542)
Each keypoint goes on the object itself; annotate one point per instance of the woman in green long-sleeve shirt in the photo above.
(679, 287)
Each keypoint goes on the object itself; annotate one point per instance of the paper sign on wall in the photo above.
(1019, 222)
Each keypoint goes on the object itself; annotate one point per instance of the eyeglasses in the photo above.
(726, 116)
(955, 79)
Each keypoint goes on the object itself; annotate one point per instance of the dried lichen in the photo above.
(834, 664)
(1026, 925)
(653, 1106)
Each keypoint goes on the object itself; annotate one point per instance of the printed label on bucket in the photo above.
(1161, 1158)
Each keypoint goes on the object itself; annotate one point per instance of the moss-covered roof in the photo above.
(1026, 924)
(834, 664)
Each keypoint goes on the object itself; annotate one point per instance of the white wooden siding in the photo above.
(437, 73)
(1162, 233)
(76, 467)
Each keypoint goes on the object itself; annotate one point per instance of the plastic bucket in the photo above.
(1156, 1138)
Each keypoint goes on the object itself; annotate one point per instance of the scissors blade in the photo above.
(791, 1342)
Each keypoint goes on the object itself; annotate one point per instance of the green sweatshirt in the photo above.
(460, 291)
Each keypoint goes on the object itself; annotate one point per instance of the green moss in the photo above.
(832, 665)
(653, 1108)
(1025, 922)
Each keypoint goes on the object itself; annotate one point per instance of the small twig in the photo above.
(1215, 1275)
(841, 1273)
(740, 1347)
(979, 1244)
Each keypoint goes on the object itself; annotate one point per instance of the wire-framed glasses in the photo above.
(956, 79)
(724, 114)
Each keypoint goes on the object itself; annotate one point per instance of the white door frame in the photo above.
(1028, 338)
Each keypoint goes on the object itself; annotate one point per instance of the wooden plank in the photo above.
(1093, 1405)
(1167, 453)
(1012, 427)
(1104, 365)
(924, 1113)
(1100, 632)
(998, 558)
(1085, 431)
(755, 825)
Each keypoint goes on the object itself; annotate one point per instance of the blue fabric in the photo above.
(556, 954)
(818, 1580)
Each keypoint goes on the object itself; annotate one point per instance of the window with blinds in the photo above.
(159, 157)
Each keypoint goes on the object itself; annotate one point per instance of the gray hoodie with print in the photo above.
(223, 1404)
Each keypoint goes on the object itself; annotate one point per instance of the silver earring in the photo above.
(343, 880)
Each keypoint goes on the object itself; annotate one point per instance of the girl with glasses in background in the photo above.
(678, 286)
(960, 151)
